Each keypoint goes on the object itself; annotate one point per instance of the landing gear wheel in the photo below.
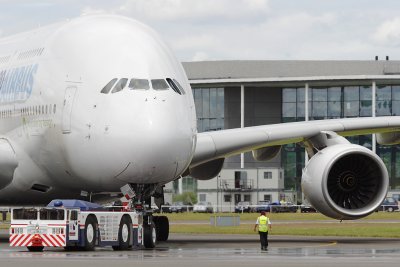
(124, 234)
(150, 235)
(90, 234)
(162, 227)
(35, 249)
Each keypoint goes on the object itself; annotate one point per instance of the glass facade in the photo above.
(327, 103)
(209, 108)
(339, 102)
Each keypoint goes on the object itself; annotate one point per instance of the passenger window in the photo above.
(159, 84)
(120, 85)
(109, 85)
(173, 86)
(135, 84)
(179, 86)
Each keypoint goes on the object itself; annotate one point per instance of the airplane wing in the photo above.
(221, 144)
(341, 180)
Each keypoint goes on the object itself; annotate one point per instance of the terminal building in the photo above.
(232, 94)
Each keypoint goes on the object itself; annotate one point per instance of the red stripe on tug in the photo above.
(45, 240)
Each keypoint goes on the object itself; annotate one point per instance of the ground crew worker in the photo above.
(264, 224)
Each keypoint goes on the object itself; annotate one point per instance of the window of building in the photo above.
(351, 101)
(289, 95)
(209, 108)
(267, 175)
(319, 104)
(289, 110)
(136, 84)
(120, 85)
(159, 84)
(289, 101)
(365, 101)
(240, 179)
(334, 102)
(247, 198)
(267, 198)
(227, 198)
(383, 101)
(108, 86)
(396, 100)
(202, 197)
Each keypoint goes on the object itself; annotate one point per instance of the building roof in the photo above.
(286, 70)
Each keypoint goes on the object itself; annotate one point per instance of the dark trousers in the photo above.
(263, 239)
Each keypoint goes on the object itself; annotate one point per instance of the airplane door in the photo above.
(67, 109)
(73, 225)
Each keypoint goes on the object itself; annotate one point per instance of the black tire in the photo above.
(162, 227)
(149, 235)
(36, 249)
(90, 233)
(124, 234)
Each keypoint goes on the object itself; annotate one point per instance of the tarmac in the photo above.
(220, 250)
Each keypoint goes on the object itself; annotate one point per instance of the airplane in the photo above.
(97, 102)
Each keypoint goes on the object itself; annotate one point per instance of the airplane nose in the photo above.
(163, 136)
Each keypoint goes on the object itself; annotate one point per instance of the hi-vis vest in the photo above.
(263, 223)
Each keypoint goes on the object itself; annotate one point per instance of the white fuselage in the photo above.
(66, 134)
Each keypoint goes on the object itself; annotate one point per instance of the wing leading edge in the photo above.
(226, 143)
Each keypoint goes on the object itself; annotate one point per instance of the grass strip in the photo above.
(386, 230)
(189, 216)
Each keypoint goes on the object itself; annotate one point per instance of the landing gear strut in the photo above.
(157, 227)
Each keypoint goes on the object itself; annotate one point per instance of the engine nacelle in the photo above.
(208, 170)
(345, 181)
(266, 153)
(392, 138)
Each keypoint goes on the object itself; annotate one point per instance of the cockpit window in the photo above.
(159, 84)
(179, 86)
(108, 87)
(135, 84)
(173, 86)
(120, 85)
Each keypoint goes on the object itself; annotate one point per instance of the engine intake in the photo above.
(345, 181)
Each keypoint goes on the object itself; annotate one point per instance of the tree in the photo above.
(188, 198)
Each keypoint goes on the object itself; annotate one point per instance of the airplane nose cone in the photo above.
(162, 141)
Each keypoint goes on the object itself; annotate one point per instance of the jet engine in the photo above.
(206, 171)
(345, 181)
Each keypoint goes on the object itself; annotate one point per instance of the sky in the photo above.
(198, 30)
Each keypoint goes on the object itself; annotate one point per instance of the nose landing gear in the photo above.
(156, 228)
